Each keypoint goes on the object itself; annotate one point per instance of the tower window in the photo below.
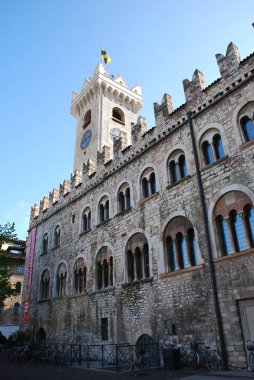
(87, 118)
(118, 115)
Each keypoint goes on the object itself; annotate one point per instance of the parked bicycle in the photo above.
(202, 355)
(136, 359)
(250, 347)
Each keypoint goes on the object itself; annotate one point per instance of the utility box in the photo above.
(172, 358)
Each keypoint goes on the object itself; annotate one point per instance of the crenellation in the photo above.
(76, 179)
(194, 87)
(229, 64)
(138, 129)
(44, 204)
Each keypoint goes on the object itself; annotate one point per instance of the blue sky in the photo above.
(48, 47)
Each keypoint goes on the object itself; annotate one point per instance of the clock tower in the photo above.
(104, 109)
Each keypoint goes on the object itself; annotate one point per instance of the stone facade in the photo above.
(131, 254)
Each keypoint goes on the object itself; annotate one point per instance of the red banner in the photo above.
(29, 271)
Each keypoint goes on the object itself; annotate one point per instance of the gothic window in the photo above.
(86, 220)
(61, 279)
(218, 147)
(148, 183)
(57, 233)
(207, 152)
(80, 273)
(246, 121)
(234, 220)
(18, 287)
(45, 285)
(16, 309)
(87, 118)
(137, 258)
(180, 245)
(105, 269)
(124, 200)
(45, 243)
(247, 128)
(118, 115)
(177, 166)
(211, 146)
(103, 209)
(248, 212)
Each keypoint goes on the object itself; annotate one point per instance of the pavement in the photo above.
(47, 371)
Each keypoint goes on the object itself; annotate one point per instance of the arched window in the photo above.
(130, 266)
(124, 199)
(45, 285)
(249, 221)
(237, 230)
(16, 309)
(105, 268)
(80, 273)
(118, 115)
(180, 245)
(192, 247)
(87, 118)
(148, 183)
(103, 209)
(137, 258)
(86, 220)
(177, 166)
(61, 279)
(247, 128)
(152, 183)
(45, 244)
(182, 166)
(234, 217)
(145, 187)
(173, 169)
(57, 233)
(18, 287)
(218, 147)
(207, 152)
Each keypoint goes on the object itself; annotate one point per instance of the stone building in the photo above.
(120, 249)
(10, 308)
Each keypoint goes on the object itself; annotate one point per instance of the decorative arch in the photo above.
(86, 219)
(57, 235)
(233, 187)
(248, 98)
(104, 267)
(124, 197)
(147, 181)
(180, 248)
(137, 257)
(211, 143)
(61, 279)
(79, 275)
(107, 208)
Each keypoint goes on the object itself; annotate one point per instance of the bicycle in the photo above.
(137, 359)
(203, 355)
(250, 347)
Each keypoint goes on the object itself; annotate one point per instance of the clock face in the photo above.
(86, 139)
(115, 133)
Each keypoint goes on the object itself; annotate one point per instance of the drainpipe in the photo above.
(208, 245)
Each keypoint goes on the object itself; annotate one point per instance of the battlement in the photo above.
(111, 159)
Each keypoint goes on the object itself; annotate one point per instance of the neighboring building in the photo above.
(119, 249)
(10, 308)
